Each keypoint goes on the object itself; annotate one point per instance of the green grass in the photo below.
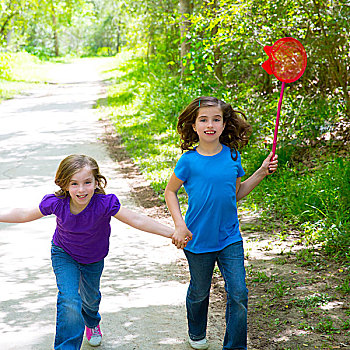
(344, 287)
(317, 203)
(20, 72)
(312, 300)
(261, 277)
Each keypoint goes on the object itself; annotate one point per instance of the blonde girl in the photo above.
(80, 243)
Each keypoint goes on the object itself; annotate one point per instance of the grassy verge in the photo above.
(22, 71)
(18, 72)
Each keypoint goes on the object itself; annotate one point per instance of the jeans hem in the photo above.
(196, 338)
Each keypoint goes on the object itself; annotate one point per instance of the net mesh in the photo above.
(288, 60)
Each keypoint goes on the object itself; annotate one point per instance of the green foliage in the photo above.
(279, 289)
(5, 66)
(312, 300)
(345, 286)
(261, 277)
(326, 326)
(20, 73)
(317, 202)
(225, 39)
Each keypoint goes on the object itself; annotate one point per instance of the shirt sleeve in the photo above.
(48, 204)
(241, 171)
(181, 169)
(112, 204)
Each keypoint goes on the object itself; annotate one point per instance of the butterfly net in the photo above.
(288, 60)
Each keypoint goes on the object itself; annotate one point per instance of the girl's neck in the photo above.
(209, 149)
(75, 210)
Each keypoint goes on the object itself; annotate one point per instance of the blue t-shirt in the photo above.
(85, 236)
(210, 182)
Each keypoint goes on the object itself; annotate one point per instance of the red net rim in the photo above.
(288, 59)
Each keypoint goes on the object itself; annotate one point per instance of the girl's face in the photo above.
(81, 188)
(209, 124)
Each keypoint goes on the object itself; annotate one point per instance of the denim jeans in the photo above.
(78, 298)
(230, 261)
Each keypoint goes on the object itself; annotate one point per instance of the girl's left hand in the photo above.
(270, 164)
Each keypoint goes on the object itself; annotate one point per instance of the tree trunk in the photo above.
(185, 10)
(55, 32)
(118, 38)
(6, 23)
(217, 52)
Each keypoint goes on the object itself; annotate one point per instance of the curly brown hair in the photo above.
(70, 166)
(236, 132)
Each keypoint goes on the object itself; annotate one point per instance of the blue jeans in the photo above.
(230, 261)
(78, 298)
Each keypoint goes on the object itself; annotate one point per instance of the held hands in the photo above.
(270, 164)
(181, 237)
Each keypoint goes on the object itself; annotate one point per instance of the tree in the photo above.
(13, 21)
(185, 11)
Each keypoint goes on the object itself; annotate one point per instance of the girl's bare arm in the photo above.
(20, 215)
(143, 223)
(244, 188)
(181, 234)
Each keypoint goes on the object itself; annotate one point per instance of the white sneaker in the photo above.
(199, 344)
(93, 335)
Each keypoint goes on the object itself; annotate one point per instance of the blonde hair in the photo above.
(70, 166)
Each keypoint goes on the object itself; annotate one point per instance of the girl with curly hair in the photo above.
(212, 133)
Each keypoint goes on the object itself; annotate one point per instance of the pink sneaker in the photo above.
(93, 335)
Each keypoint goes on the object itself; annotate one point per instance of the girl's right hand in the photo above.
(181, 237)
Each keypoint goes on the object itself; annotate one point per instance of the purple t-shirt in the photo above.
(85, 236)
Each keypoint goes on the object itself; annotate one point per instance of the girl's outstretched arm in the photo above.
(182, 234)
(19, 215)
(143, 223)
(244, 188)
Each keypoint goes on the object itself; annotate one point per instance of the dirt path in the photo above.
(143, 284)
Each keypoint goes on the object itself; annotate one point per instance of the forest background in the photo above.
(168, 52)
